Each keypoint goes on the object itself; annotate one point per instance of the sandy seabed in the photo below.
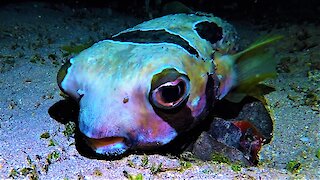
(32, 35)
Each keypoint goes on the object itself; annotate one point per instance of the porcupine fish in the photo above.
(145, 85)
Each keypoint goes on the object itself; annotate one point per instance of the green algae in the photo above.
(130, 163)
(318, 153)
(293, 166)
(133, 177)
(37, 58)
(13, 173)
(6, 62)
(97, 172)
(52, 142)
(236, 167)
(156, 168)
(45, 135)
(185, 165)
(144, 161)
(74, 49)
(54, 59)
(69, 130)
(220, 158)
(29, 171)
(312, 99)
(54, 156)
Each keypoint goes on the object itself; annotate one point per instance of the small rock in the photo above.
(206, 146)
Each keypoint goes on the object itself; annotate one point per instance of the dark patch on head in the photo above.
(209, 31)
(154, 36)
(180, 118)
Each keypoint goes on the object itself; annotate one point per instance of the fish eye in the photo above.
(171, 94)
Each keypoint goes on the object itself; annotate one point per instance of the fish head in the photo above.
(136, 96)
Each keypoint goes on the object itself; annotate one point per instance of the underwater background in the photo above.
(37, 37)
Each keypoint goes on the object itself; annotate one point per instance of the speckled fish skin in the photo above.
(112, 81)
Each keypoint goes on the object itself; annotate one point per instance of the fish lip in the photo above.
(110, 146)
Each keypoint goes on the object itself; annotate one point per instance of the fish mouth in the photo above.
(110, 146)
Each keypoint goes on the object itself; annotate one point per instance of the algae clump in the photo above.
(76, 49)
(318, 153)
(293, 166)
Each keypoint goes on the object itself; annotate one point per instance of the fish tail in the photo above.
(242, 71)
